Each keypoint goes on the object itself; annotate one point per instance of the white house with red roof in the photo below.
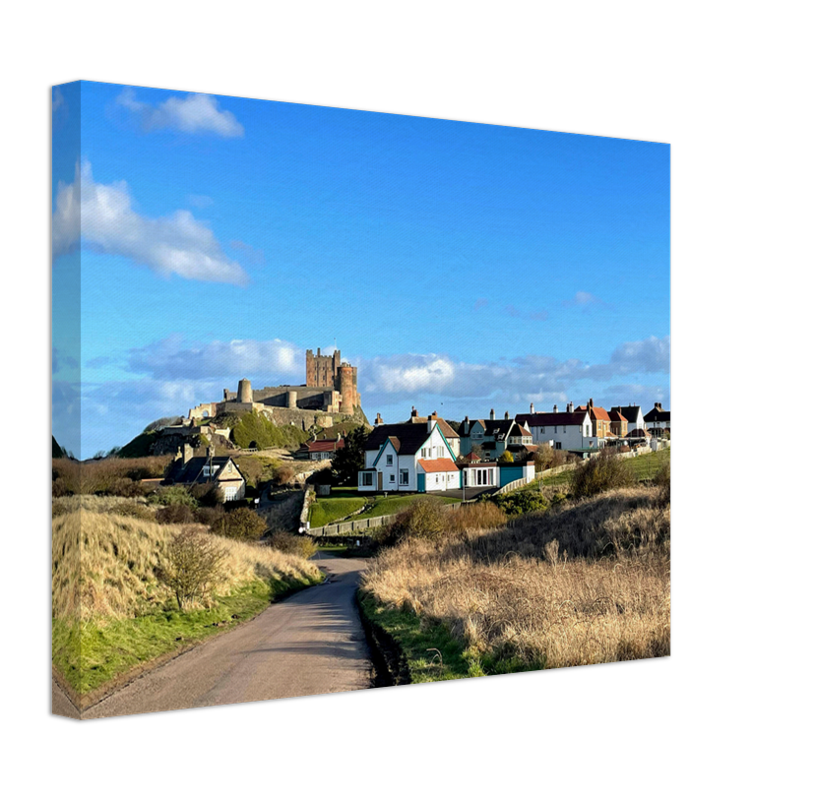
(408, 457)
(321, 449)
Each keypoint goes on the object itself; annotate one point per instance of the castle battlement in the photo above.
(331, 387)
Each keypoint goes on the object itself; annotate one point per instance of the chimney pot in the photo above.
(554, 409)
(492, 413)
(531, 408)
(506, 415)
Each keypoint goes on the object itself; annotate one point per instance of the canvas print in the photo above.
(346, 400)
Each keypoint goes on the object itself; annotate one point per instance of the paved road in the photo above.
(311, 643)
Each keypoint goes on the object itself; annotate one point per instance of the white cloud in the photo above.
(173, 359)
(177, 244)
(584, 300)
(647, 355)
(523, 379)
(195, 113)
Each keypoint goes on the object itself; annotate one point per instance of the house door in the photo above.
(379, 481)
(420, 479)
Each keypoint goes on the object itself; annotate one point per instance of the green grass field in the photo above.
(645, 468)
(343, 502)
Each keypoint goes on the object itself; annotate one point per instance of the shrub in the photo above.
(173, 496)
(424, 519)
(135, 510)
(547, 457)
(506, 458)
(209, 516)
(475, 517)
(522, 502)
(175, 515)
(599, 474)
(207, 494)
(125, 487)
(663, 480)
(192, 565)
(284, 474)
(242, 523)
(302, 546)
(60, 488)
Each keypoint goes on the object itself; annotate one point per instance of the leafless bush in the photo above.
(599, 474)
(175, 515)
(193, 565)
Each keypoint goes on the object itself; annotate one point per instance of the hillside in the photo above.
(124, 612)
(586, 582)
(249, 430)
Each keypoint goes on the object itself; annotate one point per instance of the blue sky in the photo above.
(460, 266)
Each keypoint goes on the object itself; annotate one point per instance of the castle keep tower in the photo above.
(332, 372)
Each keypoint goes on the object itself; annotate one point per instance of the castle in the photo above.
(330, 388)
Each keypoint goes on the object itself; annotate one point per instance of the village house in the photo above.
(188, 470)
(600, 420)
(633, 416)
(320, 449)
(619, 424)
(453, 439)
(408, 457)
(658, 421)
(561, 430)
(491, 437)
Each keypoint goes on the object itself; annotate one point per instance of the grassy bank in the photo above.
(344, 502)
(583, 583)
(113, 606)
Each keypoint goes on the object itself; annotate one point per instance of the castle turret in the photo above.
(244, 391)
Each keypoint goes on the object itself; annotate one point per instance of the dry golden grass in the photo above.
(585, 583)
(109, 566)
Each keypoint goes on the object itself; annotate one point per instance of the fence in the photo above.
(357, 525)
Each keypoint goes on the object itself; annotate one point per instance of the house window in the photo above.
(367, 479)
(392, 478)
(389, 460)
(403, 477)
(424, 452)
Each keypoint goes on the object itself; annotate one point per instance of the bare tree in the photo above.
(192, 566)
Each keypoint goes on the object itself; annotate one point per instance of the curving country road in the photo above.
(310, 643)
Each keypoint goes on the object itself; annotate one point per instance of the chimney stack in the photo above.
(378, 420)
(430, 424)
(570, 408)
(531, 408)
(465, 426)
(554, 410)
(492, 413)
(506, 415)
(413, 411)
(591, 402)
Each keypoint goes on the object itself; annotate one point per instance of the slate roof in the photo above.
(552, 418)
(193, 470)
(407, 437)
(658, 414)
(629, 412)
(444, 426)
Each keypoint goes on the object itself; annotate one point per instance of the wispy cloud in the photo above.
(173, 359)
(177, 244)
(525, 378)
(584, 300)
(537, 316)
(57, 100)
(647, 355)
(200, 200)
(195, 113)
